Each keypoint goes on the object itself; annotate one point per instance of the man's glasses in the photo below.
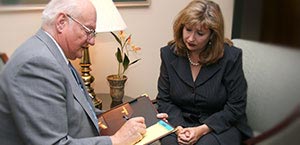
(91, 33)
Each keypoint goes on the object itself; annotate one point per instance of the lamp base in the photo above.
(88, 78)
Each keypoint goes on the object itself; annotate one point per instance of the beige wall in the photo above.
(151, 28)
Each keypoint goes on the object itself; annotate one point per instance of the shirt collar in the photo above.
(59, 48)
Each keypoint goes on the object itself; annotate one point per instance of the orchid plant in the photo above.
(123, 51)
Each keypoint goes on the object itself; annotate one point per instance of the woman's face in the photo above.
(196, 37)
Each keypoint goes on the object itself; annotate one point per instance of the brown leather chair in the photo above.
(3, 60)
(4, 57)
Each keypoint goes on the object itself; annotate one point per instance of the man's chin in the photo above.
(76, 57)
(79, 57)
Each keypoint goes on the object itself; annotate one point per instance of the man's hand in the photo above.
(131, 132)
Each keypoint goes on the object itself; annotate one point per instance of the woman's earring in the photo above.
(209, 45)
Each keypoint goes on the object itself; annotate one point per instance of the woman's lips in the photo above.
(191, 45)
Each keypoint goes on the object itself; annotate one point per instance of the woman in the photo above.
(201, 84)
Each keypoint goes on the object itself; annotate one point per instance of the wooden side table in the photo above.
(107, 101)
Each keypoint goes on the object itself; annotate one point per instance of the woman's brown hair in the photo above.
(209, 15)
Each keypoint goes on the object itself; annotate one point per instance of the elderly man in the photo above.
(42, 99)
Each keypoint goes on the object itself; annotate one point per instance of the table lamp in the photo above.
(108, 19)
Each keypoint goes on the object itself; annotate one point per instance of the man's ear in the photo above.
(60, 22)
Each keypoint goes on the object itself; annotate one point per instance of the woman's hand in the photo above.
(162, 116)
(190, 135)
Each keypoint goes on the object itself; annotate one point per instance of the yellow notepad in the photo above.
(155, 132)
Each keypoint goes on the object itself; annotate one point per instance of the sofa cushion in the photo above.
(273, 76)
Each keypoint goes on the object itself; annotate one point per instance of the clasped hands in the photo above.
(132, 131)
(190, 135)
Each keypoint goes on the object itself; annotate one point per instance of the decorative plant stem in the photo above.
(122, 53)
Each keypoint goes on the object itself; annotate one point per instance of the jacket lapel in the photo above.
(78, 94)
(82, 97)
(207, 72)
(183, 70)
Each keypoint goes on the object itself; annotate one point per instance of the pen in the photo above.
(126, 117)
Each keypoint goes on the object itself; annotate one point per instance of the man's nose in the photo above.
(91, 41)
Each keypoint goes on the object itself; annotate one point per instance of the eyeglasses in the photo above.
(91, 33)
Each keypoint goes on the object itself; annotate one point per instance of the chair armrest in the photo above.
(276, 129)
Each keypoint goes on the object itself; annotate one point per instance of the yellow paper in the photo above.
(155, 132)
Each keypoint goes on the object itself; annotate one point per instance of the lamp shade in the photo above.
(108, 16)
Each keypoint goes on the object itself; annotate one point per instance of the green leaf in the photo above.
(135, 61)
(117, 38)
(125, 63)
(119, 55)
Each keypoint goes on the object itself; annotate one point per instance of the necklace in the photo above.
(191, 62)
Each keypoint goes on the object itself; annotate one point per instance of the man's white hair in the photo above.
(54, 7)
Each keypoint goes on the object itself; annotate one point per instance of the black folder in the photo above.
(112, 120)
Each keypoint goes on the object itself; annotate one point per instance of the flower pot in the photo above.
(116, 85)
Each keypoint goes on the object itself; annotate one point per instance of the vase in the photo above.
(116, 85)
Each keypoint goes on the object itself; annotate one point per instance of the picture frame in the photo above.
(132, 3)
(25, 5)
(22, 5)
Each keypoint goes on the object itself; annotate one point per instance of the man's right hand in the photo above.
(131, 132)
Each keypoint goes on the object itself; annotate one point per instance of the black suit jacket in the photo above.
(217, 98)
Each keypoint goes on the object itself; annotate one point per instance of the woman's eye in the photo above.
(188, 29)
(200, 33)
